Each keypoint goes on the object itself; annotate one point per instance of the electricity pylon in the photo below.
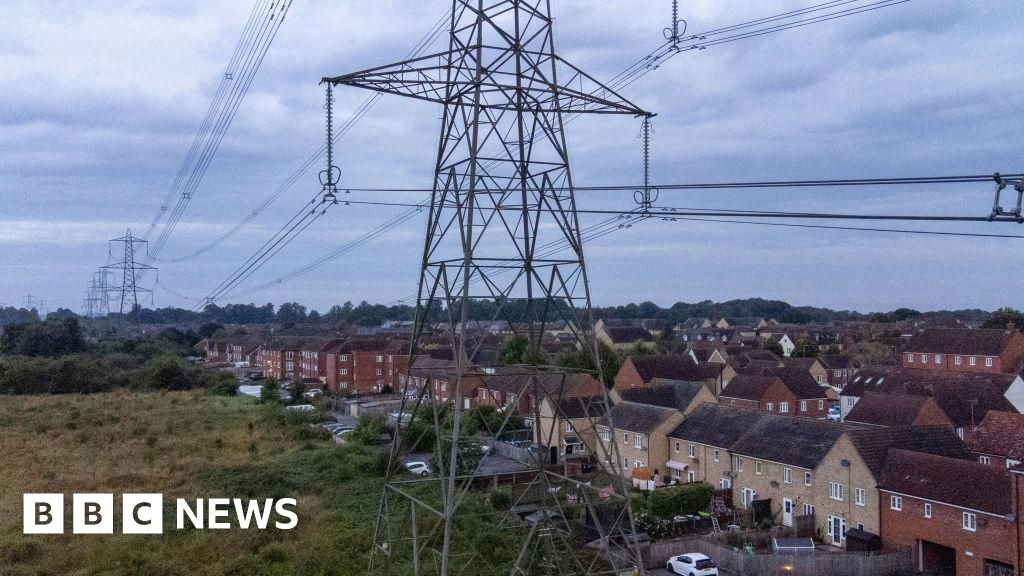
(503, 228)
(130, 269)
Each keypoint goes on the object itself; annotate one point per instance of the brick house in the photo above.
(965, 350)
(880, 409)
(839, 369)
(699, 445)
(363, 365)
(435, 378)
(519, 391)
(642, 439)
(640, 371)
(999, 440)
(624, 337)
(281, 359)
(954, 515)
(813, 366)
(793, 396)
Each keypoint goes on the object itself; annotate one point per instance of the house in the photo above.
(642, 437)
(282, 357)
(839, 369)
(568, 424)
(704, 352)
(363, 365)
(641, 370)
(522, 392)
(999, 440)
(436, 379)
(678, 394)
(965, 350)
(880, 409)
(813, 366)
(700, 443)
(625, 337)
(956, 516)
(786, 391)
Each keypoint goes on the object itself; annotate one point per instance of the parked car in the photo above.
(834, 414)
(313, 393)
(341, 432)
(692, 564)
(418, 468)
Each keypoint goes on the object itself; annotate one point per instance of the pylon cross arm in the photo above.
(428, 78)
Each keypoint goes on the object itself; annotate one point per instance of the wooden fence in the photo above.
(887, 563)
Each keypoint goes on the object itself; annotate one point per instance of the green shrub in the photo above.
(685, 499)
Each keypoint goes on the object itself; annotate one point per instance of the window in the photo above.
(725, 483)
(625, 464)
(973, 361)
(638, 441)
(807, 478)
(691, 451)
(835, 491)
(1010, 462)
(910, 358)
(380, 358)
(289, 355)
(803, 405)
(677, 445)
(958, 361)
(343, 371)
(638, 464)
(938, 358)
(379, 372)
(896, 502)
(924, 358)
(715, 455)
(768, 406)
(988, 362)
(444, 387)
(808, 509)
(568, 426)
(984, 459)
(850, 400)
(625, 438)
(783, 407)
(606, 435)
(691, 476)
(738, 464)
(758, 467)
(344, 384)
(960, 432)
(970, 521)
(927, 509)
(821, 404)
(787, 475)
(344, 358)
(859, 497)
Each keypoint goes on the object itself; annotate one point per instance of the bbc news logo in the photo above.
(144, 514)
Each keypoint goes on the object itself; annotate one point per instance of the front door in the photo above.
(787, 512)
(836, 530)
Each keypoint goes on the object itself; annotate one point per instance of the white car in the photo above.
(834, 414)
(418, 468)
(313, 393)
(693, 564)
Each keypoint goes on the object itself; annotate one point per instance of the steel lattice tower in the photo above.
(130, 269)
(502, 228)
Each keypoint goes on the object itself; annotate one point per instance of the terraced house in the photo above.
(700, 443)
(642, 439)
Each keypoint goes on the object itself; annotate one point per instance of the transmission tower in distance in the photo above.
(135, 253)
(503, 230)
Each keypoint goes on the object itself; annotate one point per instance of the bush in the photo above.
(685, 499)
(222, 384)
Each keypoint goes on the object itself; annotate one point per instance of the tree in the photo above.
(209, 329)
(517, 350)
(583, 359)
(772, 345)
(804, 349)
(870, 353)
(1004, 317)
(291, 313)
(269, 393)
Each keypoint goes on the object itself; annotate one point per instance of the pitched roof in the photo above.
(627, 334)
(1000, 434)
(800, 442)
(799, 381)
(662, 392)
(716, 425)
(581, 407)
(963, 483)
(966, 405)
(981, 342)
(642, 418)
(667, 366)
(887, 409)
(556, 385)
(749, 387)
(873, 444)
(835, 361)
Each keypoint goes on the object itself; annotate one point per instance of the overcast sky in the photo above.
(100, 101)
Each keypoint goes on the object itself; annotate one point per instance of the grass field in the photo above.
(190, 445)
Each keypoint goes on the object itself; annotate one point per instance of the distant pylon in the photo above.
(130, 269)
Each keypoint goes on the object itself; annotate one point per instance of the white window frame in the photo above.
(783, 407)
(836, 491)
(676, 446)
(691, 451)
(343, 358)
(380, 358)
(808, 478)
(715, 454)
(958, 360)
(910, 358)
(787, 475)
(973, 361)
(896, 503)
(768, 406)
(927, 509)
(691, 476)
(803, 405)
(821, 404)
(985, 459)
(988, 362)
(625, 438)
(938, 358)
(758, 467)
(859, 497)
(970, 521)
(638, 441)
(808, 509)
(343, 371)
(738, 463)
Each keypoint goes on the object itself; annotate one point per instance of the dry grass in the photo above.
(181, 444)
